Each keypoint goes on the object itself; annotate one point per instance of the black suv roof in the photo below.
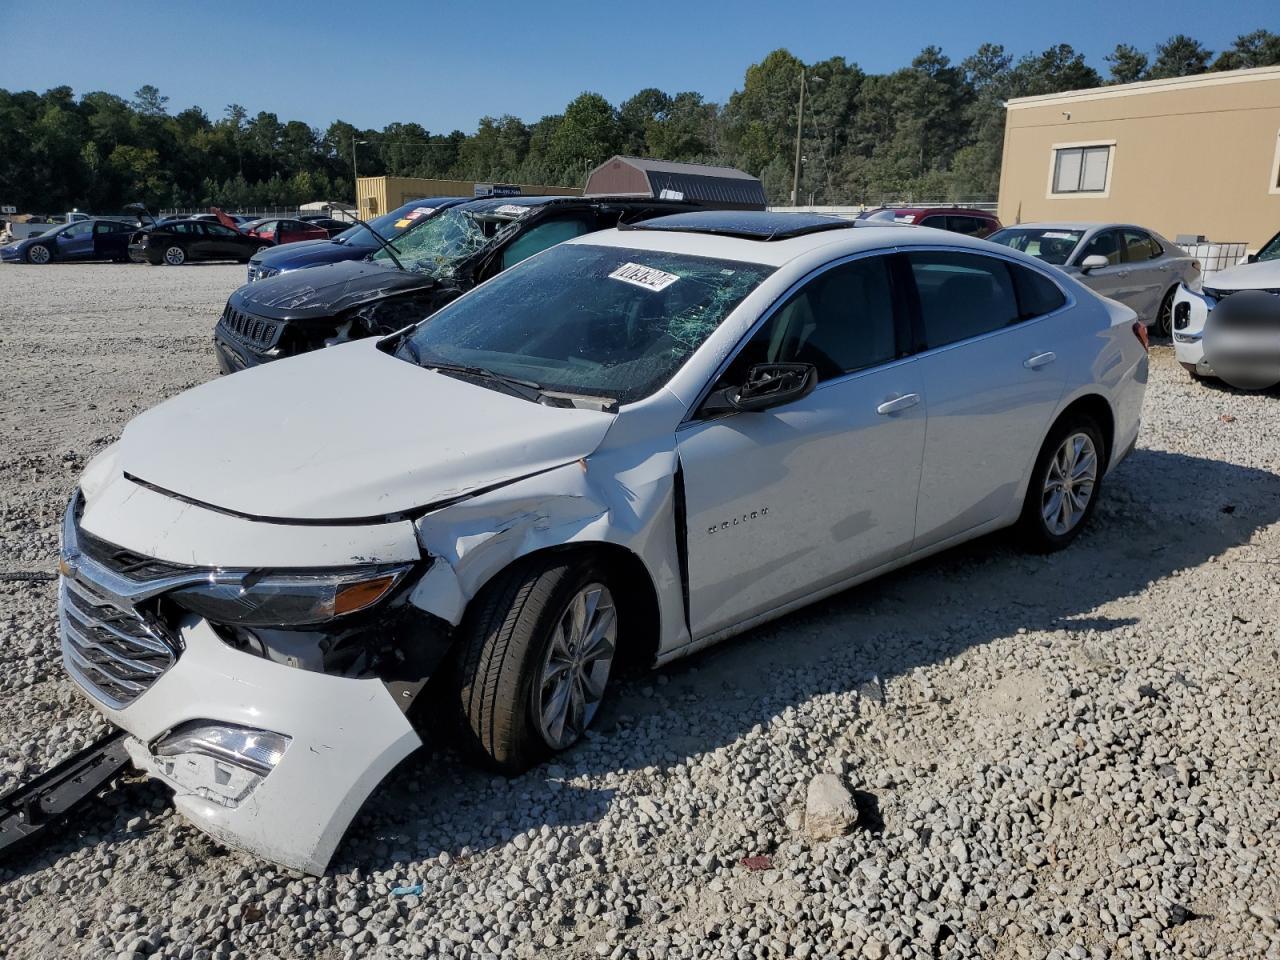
(747, 224)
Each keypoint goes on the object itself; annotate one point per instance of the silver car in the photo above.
(1130, 264)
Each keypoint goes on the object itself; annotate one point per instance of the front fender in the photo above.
(630, 505)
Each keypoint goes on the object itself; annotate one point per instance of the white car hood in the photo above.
(346, 432)
(1247, 276)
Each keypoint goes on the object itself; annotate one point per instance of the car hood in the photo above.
(347, 432)
(324, 291)
(1248, 276)
(311, 253)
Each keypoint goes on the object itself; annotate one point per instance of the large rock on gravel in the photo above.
(829, 809)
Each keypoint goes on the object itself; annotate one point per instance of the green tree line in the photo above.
(931, 130)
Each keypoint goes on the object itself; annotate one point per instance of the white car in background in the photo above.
(1193, 303)
(626, 448)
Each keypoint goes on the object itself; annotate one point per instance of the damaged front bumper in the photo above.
(311, 745)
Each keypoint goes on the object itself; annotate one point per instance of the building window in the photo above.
(1081, 169)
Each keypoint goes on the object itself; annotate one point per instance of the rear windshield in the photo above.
(1052, 245)
(592, 321)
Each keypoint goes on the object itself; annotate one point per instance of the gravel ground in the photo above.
(1065, 757)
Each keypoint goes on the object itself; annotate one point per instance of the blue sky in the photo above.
(446, 64)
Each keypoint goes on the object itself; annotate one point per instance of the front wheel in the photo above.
(175, 256)
(39, 254)
(1065, 484)
(538, 647)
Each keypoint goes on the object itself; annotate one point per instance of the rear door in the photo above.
(784, 502)
(1149, 272)
(990, 332)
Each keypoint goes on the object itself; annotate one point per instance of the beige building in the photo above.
(377, 195)
(1190, 155)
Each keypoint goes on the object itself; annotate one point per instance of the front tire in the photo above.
(39, 254)
(1065, 485)
(537, 649)
(175, 256)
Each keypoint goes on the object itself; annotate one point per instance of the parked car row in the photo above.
(585, 432)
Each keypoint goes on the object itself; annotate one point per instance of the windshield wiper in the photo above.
(527, 389)
(386, 244)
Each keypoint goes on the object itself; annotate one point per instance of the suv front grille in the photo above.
(257, 331)
(108, 646)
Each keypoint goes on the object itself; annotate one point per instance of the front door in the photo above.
(992, 380)
(1113, 280)
(76, 242)
(783, 502)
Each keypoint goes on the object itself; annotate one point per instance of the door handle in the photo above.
(898, 403)
(1039, 360)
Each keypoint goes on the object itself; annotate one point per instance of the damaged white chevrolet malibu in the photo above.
(630, 446)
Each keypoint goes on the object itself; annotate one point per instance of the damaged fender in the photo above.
(633, 507)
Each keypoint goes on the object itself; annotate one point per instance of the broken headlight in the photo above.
(259, 599)
(255, 750)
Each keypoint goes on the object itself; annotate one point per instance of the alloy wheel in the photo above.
(39, 254)
(175, 256)
(1164, 318)
(576, 667)
(1069, 483)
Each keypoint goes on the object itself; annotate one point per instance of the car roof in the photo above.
(747, 224)
(864, 236)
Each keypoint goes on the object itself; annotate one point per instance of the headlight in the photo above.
(288, 599)
(255, 750)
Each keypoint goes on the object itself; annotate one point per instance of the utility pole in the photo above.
(355, 175)
(795, 176)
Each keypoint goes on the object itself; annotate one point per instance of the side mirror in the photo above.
(1093, 262)
(1251, 258)
(768, 385)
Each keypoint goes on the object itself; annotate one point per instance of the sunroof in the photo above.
(748, 224)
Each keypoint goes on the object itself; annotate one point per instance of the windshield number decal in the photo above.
(1057, 235)
(641, 276)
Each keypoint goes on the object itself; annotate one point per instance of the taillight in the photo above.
(1140, 331)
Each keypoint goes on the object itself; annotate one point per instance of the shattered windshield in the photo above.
(436, 246)
(592, 321)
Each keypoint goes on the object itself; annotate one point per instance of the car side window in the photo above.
(1104, 244)
(1037, 294)
(180, 227)
(962, 295)
(1139, 246)
(840, 321)
(79, 230)
(539, 238)
(966, 225)
(937, 220)
(105, 227)
(218, 230)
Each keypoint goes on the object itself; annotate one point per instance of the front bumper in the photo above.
(141, 253)
(233, 356)
(345, 734)
(1190, 314)
(11, 255)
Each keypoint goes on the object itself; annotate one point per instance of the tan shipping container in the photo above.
(377, 195)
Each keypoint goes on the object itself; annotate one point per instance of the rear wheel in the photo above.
(38, 253)
(175, 256)
(1065, 484)
(1163, 326)
(538, 648)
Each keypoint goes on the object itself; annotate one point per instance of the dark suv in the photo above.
(970, 222)
(434, 261)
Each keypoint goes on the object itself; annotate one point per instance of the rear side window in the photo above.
(1037, 294)
(1139, 246)
(539, 238)
(962, 295)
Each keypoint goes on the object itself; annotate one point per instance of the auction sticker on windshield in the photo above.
(642, 276)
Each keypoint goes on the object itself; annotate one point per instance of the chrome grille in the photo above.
(108, 646)
(257, 331)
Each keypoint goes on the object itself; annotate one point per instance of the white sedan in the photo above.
(1193, 304)
(626, 448)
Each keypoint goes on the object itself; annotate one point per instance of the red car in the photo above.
(970, 222)
(277, 232)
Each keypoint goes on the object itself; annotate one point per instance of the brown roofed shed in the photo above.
(710, 186)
